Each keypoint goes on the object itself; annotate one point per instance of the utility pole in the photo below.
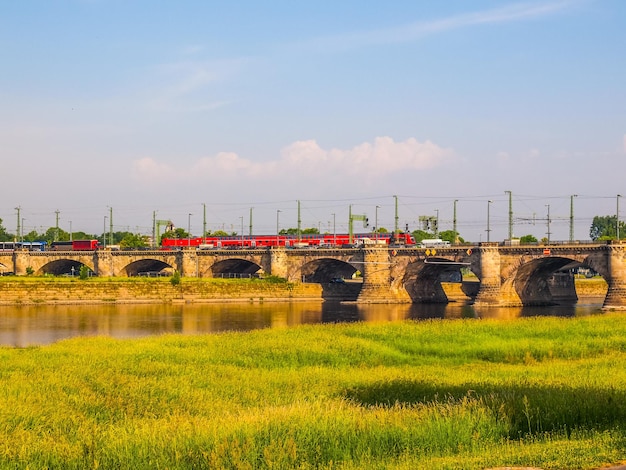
(17, 233)
(250, 221)
(56, 231)
(571, 217)
(488, 222)
(456, 235)
(548, 206)
(376, 222)
(110, 226)
(395, 225)
(203, 220)
(299, 232)
(617, 217)
(510, 214)
(334, 230)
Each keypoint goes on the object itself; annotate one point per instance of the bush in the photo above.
(175, 280)
(83, 273)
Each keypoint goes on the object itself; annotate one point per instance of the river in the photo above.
(22, 326)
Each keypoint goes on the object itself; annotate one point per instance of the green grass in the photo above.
(455, 394)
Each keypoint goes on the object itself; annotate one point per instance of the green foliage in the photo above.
(4, 235)
(275, 279)
(420, 235)
(83, 272)
(540, 392)
(219, 233)
(294, 231)
(131, 240)
(451, 236)
(605, 228)
(175, 279)
(30, 271)
(528, 239)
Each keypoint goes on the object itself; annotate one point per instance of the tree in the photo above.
(528, 239)
(4, 235)
(420, 235)
(604, 228)
(451, 236)
(134, 241)
(219, 233)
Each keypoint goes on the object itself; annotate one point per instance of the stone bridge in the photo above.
(507, 275)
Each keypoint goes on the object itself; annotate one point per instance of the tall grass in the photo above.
(438, 394)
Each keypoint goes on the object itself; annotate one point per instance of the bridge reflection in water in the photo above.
(23, 326)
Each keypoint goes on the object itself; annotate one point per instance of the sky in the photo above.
(234, 114)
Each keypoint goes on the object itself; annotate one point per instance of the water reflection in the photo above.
(35, 325)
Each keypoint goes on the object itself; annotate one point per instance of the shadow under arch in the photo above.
(535, 284)
(148, 267)
(62, 267)
(422, 279)
(235, 267)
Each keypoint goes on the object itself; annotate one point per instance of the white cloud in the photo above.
(301, 162)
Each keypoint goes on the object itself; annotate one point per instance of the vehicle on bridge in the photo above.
(434, 243)
(325, 240)
(75, 245)
(30, 246)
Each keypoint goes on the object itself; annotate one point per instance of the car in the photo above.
(337, 280)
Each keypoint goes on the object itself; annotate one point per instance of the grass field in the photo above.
(453, 394)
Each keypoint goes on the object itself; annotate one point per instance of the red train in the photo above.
(305, 241)
(75, 245)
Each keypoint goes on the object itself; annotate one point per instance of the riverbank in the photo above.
(54, 290)
(50, 290)
(536, 392)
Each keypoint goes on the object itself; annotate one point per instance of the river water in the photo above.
(22, 326)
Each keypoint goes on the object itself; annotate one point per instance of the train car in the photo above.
(289, 241)
(30, 246)
(85, 245)
(75, 245)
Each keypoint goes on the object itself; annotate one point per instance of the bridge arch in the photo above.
(63, 266)
(147, 267)
(532, 282)
(324, 270)
(422, 279)
(235, 267)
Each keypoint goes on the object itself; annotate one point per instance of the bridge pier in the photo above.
(491, 291)
(377, 286)
(616, 279)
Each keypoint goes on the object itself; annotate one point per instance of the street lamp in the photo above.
(334, 231)
(437, 223)
(278, 211)
(488, 226)
(241, 217)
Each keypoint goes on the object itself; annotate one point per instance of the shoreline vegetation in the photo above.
(437, 394)
(30, 290)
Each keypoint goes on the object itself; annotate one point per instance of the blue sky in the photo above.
(175, 107)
